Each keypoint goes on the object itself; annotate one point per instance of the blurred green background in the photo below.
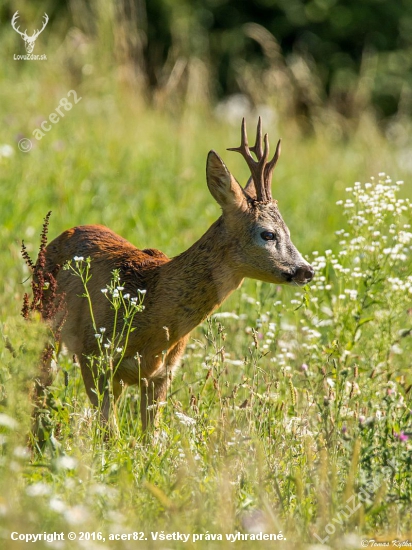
(344, 54)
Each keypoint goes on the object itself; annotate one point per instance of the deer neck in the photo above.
(196, 282)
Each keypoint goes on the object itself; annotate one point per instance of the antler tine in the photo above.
(256, 168)
(257, 148)
(244, 146)
(264, 159)
(270, 167)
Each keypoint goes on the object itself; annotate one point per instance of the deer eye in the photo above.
(268, 236)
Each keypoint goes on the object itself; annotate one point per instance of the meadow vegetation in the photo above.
(292, 409)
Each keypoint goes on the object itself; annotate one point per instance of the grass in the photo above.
(290, 413)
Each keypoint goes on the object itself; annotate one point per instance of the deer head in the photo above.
(259, 240)
(29, 41)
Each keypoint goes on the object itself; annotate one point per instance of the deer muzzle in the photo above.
(302, 274)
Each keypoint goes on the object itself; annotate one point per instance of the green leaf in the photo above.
(365, 320)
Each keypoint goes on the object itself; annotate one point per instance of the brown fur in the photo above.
(181, 292)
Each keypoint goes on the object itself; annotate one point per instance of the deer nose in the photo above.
(303, 274)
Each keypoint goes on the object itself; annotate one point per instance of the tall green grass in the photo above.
(288, 409)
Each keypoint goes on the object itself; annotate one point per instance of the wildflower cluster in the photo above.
(112, 343)
(368, 281)
(355, 326)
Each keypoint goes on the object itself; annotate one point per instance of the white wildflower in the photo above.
(77, 514)
(66, 462)
(225, 315)
(57, 505)
(8, 422)
(6, 151)
(21, 452)
(38, 489)
(184, 419)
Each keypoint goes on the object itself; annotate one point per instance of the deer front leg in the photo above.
(102, 396)
(153, 390)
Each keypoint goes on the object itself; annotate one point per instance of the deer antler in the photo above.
(13, 24)
(261, 170)
(46, 20)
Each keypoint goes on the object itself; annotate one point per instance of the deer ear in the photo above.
(224, 188)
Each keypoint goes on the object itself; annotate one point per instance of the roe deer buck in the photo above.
(250, 239)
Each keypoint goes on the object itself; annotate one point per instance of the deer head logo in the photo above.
(29, 41)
